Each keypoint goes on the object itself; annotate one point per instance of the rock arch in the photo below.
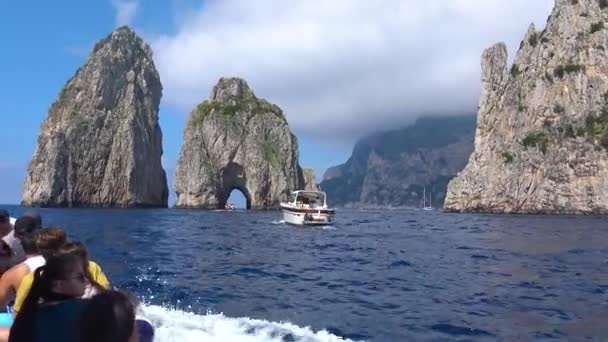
(233, 178)
(235, 140)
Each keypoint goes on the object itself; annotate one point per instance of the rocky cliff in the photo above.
(101, 144)
(235, 140)
(310, 180)
(542, 132)
(394, 168)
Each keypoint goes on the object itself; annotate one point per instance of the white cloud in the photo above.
(125, 11)
(342, 68)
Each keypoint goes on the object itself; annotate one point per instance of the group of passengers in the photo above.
(58, 293)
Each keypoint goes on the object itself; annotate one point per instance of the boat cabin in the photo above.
(308, 199)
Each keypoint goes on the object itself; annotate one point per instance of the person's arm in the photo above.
(6, 287)
(22, 291)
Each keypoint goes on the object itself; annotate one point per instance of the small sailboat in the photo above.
(424, 207)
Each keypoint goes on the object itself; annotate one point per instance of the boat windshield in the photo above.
(310, 199)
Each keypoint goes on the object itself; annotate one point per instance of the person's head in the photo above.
(49, 240)
(61, 278)
(25, 229)
(5, 222)
(34, 216)
(63, 275)
(108, 317)
(78, 249)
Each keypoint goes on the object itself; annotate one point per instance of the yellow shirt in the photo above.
(26, 284)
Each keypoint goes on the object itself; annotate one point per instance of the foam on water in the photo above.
(175, 325)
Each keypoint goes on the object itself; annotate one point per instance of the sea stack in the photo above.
(310, 180)
(542, 127)
(101, 144)
(235, 140)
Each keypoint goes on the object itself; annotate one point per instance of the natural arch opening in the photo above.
(238, 200)
(233, 178)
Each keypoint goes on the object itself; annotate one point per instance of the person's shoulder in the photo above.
(94, 267)
(66, 308)
(18, 271)
(98, 275)
(28, 278)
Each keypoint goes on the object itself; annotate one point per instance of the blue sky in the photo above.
(44, 42)
(340, 70)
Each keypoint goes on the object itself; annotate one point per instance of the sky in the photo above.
(339, 69)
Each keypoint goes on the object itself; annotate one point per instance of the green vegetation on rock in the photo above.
(514, 70)
(508, 157)
(596, 27)
(521, 107)
(271, 154)
(558, 109)
(538, 139)
(569, 68)
(596, 127)
(533, 40)
(569, 131)
(232, 107)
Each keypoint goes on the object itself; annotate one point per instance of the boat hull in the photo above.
(308, 217)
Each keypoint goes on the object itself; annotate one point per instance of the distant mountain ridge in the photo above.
(392, 168)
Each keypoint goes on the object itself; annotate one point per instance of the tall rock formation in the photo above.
(310, 180)
(542, 132)
(235, 140)
(395, 168)
(101, 144)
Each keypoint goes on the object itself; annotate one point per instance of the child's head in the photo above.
(108, 317)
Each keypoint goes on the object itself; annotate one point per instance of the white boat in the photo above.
(307, 208)
(230, 206)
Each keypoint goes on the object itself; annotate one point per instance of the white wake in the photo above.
(175, 325)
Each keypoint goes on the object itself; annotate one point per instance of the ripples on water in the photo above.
(389, 275)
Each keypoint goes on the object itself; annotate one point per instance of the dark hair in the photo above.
(107, 317)
(56, 268)
(35, 216)
(25, 229)
(78, 249)
(49, 240)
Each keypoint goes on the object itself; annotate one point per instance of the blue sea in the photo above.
(375, 275)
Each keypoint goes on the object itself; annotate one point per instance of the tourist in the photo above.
(96, 279)
(5, 222)
(34, 216)
(49, 239)
(7, 252)
(110, 317)
(52, 308)
(11, 249)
